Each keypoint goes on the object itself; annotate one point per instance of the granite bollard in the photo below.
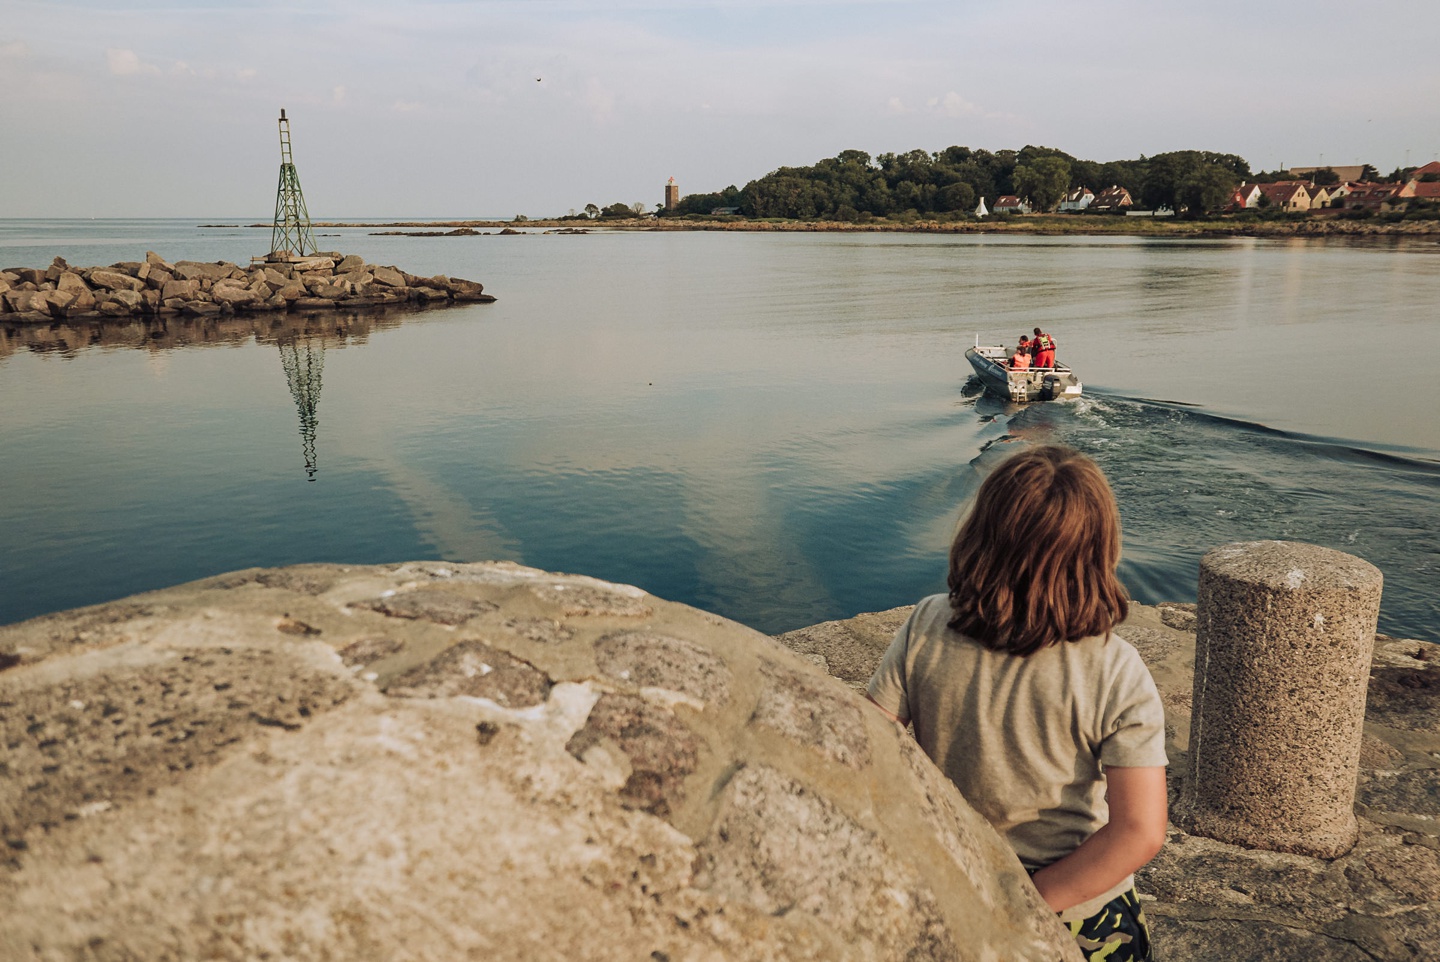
(1282, 657)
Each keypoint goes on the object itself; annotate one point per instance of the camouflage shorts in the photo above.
(1116, 933)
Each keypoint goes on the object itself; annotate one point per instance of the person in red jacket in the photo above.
(1044, 346)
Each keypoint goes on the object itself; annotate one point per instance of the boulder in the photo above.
(293, 291)
(136, 269)
(308, 264)
(57, 303)
(353, 262)
(389, 276)
(200, 309)
(277, 278)
(460, 286)
(84, 301)
(56, 268)
(356, 279)
(27, 275)
(113, 280)
(158, 278)
(435, 761)
(70, 281)
(24, 301)
(233, 296)
(119, 303)
(180, 289)
(323, 288)
(196, 270)
(157, 262)
(427, 294)
(313, 304)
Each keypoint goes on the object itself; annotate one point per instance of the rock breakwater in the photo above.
(154, 287)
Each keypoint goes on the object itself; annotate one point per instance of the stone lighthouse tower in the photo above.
(672, 195)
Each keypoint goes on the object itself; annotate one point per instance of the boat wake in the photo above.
(1188, 480)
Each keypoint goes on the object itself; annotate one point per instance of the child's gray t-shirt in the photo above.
(1024, 738)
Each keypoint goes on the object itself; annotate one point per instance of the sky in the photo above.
(472, 108)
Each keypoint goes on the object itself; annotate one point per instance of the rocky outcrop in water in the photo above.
(156, 287)
(444, 761)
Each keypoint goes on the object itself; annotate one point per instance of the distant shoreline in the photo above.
(1059, 225)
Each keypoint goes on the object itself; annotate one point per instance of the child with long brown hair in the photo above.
(1020, 691)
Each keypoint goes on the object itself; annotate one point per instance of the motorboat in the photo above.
(992, 368)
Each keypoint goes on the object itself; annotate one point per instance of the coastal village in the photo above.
(1296, 196)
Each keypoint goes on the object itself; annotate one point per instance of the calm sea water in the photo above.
(772, 427)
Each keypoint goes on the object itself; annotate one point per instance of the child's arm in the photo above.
(885, 711)
(1133, 836)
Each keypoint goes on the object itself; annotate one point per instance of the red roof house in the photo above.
(1287, 194)
(1112, 199)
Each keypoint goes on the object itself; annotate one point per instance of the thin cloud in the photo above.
(127, 63)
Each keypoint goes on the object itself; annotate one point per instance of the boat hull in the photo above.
(1036, 384)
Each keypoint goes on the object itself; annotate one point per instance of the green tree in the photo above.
(957, 196)
(1369, 173)
(617, 210)
(1324, 177)
(1044, 180)
(592, 211)
(1207, 187)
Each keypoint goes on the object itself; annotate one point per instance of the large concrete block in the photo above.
(1282, 658)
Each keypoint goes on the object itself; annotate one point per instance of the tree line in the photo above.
(853, 186)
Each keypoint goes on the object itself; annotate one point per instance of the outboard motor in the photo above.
(1052, 387)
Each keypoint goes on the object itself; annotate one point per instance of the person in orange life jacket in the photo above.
(1020, 360)
(1044, 346)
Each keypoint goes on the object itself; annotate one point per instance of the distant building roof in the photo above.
(1421, 189)
(1431, 168)
(1114, 196)
(1008, 200)
(1285, 191)
(1352, 172)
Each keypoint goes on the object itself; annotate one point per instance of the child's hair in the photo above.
(1033, 563)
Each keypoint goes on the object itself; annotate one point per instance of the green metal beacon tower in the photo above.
(291, 234)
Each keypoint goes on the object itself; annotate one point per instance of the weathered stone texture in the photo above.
(443, 761)
(1284, 639)
(474, 669)
(644, 659)
(440, 605)
(811, 713)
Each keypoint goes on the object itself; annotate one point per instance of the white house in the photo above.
(1078, 199)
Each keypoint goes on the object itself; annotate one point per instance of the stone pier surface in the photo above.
(156, 287)
(470, 761)
(1284, 638)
